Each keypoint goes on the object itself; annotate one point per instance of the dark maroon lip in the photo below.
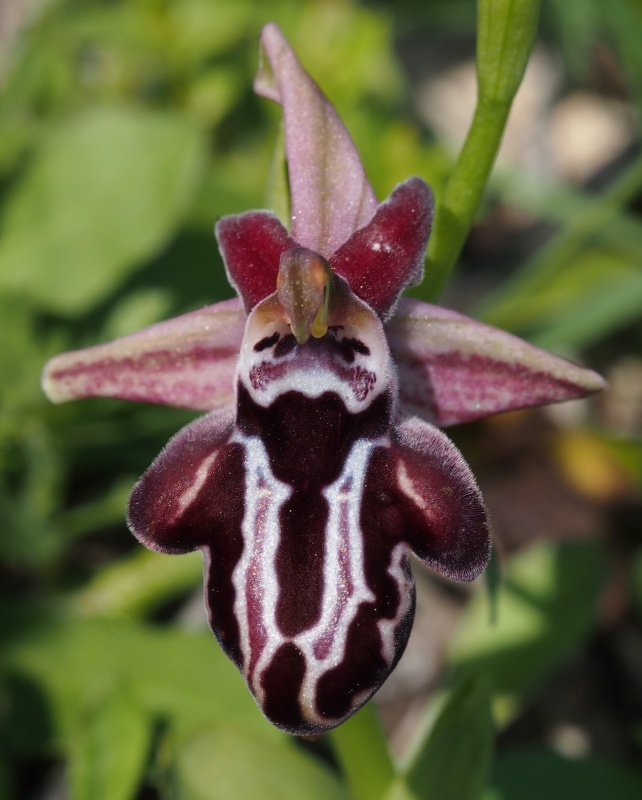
(308, 439)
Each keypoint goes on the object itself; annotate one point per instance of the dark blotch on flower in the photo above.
(285, 346)
(267, 341)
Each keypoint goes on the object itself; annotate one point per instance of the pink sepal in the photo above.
(188, 362)
(454, 369)
(330, 195)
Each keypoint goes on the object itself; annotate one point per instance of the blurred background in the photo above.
(127, 127)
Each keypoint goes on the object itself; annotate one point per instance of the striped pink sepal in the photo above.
(187, 362)
(330, 194)
(453, 369)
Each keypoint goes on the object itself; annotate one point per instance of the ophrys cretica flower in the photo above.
(319, 467)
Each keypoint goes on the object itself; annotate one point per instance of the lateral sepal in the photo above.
(187, 362)
(454, 369)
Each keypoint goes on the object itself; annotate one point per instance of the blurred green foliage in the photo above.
(126, 128)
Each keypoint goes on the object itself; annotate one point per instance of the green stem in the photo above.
(460, 200)
(506, 31)
(362, 751)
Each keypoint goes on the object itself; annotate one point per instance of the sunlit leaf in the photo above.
(546, 607)
(109, 747)
(105, 192)
(137, 584)
(227, 764)
(453, 762)
(176, 675)
(361, 740)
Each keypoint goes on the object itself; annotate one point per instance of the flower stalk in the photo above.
(506, 33)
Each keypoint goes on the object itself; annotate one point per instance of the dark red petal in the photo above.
(380, 260)
(190, 493)
(421, 491)
(251, 245)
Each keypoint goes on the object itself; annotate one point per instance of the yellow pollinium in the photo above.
(303, 286)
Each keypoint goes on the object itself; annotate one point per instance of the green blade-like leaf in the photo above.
(109, 749)
(361, 740)
(227, 764)
(104, 193)
(453, 762)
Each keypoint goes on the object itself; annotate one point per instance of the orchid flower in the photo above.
(319, 466)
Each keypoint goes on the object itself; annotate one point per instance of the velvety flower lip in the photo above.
(319, 466)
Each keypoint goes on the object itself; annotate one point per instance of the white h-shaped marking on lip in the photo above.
(255, 576)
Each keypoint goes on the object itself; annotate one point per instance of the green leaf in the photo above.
(213, 94)
(546, 608)
(109, 748)
(176, 675)
(533, 775)
(227, 764)
(199, 29)
(597, 293)
(358, 741)
(506, 30)
(137, 584)
(453, 762)
(104, 193)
